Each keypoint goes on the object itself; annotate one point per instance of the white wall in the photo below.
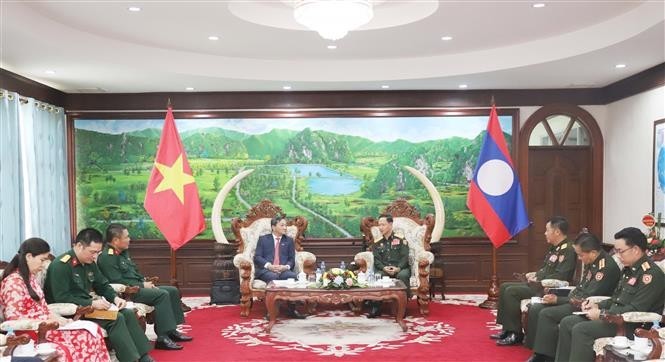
(628, 131)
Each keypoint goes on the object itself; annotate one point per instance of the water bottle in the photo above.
(342, 265)
(10, 332)
(370, 277)
(319, 273)
(323, 266)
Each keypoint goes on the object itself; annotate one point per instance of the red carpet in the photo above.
(450, 333)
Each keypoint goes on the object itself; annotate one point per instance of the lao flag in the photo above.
(495, 194)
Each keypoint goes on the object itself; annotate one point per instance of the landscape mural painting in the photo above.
(333, 171)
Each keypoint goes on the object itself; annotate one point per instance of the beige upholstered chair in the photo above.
(417, 232)
(657, 337)
(247, 232)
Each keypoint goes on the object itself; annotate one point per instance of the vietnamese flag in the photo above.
(495, 193)
(172, 199)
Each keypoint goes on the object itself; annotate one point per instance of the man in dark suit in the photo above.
(275, 257)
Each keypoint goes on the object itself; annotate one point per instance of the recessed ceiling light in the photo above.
(49, 71)
(213, 37)
(619, 66)
(134, 9)
(189, 88)
(463, 86)
(286, 87)
(385, 86)
(331, 46)
(538, 5)
(447, 37)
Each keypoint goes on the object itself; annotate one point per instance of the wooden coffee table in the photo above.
(356, 296)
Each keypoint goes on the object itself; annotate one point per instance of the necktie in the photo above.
(276, 259)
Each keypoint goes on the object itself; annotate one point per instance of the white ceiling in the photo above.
(100, 46)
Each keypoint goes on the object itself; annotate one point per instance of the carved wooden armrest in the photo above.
(81, 311)
(654, 337)
(43, 328)
(13, 341)
(153, 280)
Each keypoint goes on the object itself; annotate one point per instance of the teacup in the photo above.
(290, 280)
(620, 341)
(641, 343)
(385, 277)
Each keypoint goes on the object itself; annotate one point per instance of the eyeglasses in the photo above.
(620, 252)
(93, 252)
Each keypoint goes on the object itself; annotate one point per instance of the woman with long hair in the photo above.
(23, 298)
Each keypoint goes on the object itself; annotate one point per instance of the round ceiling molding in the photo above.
(279, 14)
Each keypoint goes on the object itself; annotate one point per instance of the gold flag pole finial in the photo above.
(492, 100)
(168, 103)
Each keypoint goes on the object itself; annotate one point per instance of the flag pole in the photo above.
(492, 301)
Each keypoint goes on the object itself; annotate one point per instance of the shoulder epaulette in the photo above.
(601, 264)
(65, 258)
(564, 245)
(399, 235)
(646, 266)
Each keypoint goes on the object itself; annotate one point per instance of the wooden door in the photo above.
(559, 184)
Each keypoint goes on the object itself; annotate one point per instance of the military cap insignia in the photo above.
(646, 266)
(65, 258)
(599, 276)
(646, 278)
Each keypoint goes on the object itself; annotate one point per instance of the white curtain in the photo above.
(40, 207)
(11, 230)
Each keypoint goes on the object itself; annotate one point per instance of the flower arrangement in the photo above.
(337, 278)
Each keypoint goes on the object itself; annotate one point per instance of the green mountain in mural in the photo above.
(270, 145)
(316, 147)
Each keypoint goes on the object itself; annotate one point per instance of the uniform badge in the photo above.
(646, 278)
(553, 258)
(75, 262)
(632, 281)
(111, 251)
(601, 264)
(588, 276)
(646, 266)
(564, 246)
(561, 257)
(599, 276)
(395, 242)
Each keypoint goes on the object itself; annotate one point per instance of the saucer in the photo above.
(45, 349)
(622, 346)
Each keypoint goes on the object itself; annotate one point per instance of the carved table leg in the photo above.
(357, 306)
(271, 307)
(401, 309)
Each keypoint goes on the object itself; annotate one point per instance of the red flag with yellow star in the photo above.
(172, 199)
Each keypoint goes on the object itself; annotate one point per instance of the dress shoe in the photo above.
(375, 311)
(511, 339)
(185, 308)
(146, 358)
(501, 335)
(167, 344)
(537, 357)
(293, 313)
(176, 336)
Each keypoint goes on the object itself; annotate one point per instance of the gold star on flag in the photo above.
(175, 179)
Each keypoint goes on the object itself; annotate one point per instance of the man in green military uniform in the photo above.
(116, 264)
(391, 257)
(73, 276)
(559, 263)
(601, 275)
(642, 289)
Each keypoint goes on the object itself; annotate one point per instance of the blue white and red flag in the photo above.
(495, 194)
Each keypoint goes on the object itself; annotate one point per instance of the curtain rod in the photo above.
(25, 100)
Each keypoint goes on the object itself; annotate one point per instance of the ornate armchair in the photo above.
(417, 232)
(247, 232)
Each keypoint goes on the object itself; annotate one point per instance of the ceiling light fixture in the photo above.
(538, 5)
(134, 9)
(463, 86)
(385, 86)
(286, 87)
(619, 66)
(447, 37)
(213, 37)
(332, 47)
(49, 71)
(333, 19)
(189, 89)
